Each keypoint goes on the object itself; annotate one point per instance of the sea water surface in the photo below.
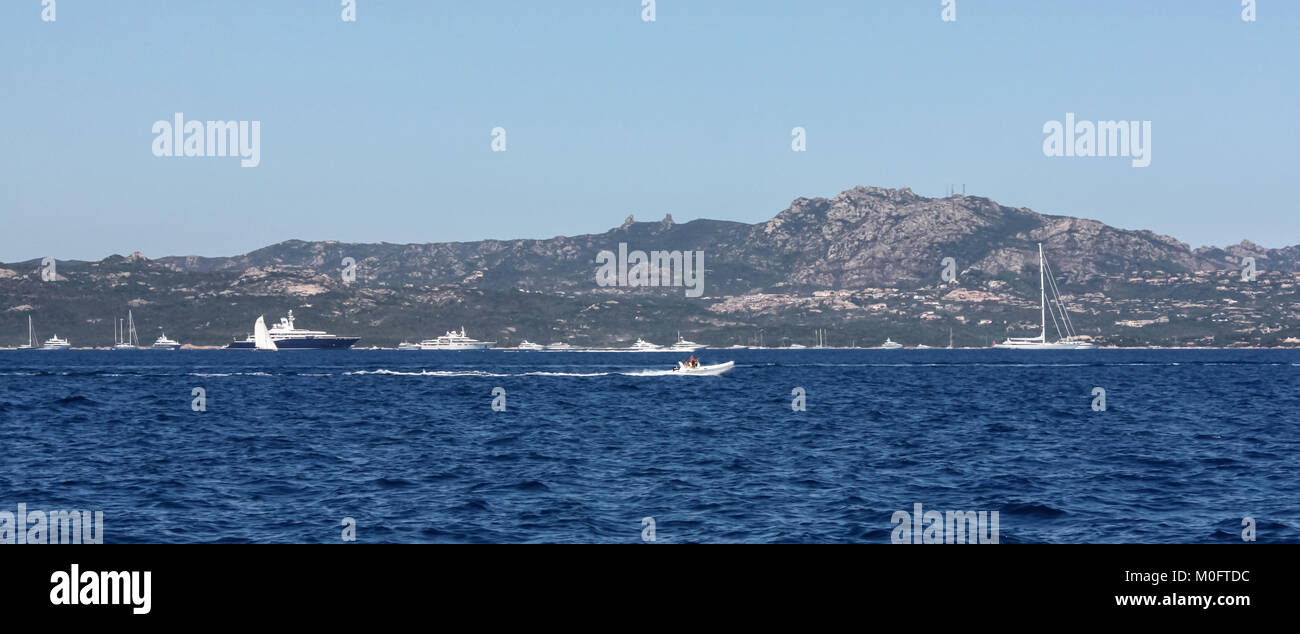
(408, 444)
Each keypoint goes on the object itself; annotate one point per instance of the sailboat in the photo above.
(1065, 341)
(261, 336)
(31, 336)
(127, 339)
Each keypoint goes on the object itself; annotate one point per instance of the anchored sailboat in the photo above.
(31, 336)
(127, 339)
(1065, 341)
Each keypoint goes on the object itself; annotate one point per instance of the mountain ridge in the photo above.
(865, 247)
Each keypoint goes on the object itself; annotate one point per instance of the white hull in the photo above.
(1012, 344)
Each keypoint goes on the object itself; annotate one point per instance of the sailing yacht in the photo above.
(31, 337)
(127, 339)
(1065, 341)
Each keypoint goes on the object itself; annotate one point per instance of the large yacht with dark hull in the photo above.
(286, 337)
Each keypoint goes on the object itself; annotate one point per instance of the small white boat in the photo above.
(163, 343)
(55, 343)
(559, 347)
(705, 370)
(890, 344)
(406, 345)
(528, 346)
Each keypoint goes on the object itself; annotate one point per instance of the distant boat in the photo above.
(55, 343)
(1067, 340)
(127, 339)
(559, 346)
(528, 346)
(453, 340)
(683, 345)
(890, 344)
(408, 346)
(796, 346)
(163, 343)
(642, 345)
(31, 337)
(286, 336)
(821, 338)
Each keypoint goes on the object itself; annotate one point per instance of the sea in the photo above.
(1113, 446)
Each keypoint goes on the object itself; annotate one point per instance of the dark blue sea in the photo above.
(407, 444)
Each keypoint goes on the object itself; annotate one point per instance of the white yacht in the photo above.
(163, 343)
(1065, 341)
(528, 346)
(560, 347)
(55, 343)
(455, 341)
(890, 344)
(406, 345)
(796, 346)
(642, 345)
(126, 337)
(683, 345)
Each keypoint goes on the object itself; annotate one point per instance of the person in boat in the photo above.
(692, 362)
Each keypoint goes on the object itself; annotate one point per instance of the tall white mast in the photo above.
(1042, 285)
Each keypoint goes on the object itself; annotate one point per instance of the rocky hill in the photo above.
(865, 264)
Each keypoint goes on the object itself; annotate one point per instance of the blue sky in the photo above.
(380, 130)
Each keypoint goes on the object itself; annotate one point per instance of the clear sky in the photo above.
(381, 129)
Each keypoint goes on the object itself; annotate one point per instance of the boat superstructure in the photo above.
(1066, 340)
